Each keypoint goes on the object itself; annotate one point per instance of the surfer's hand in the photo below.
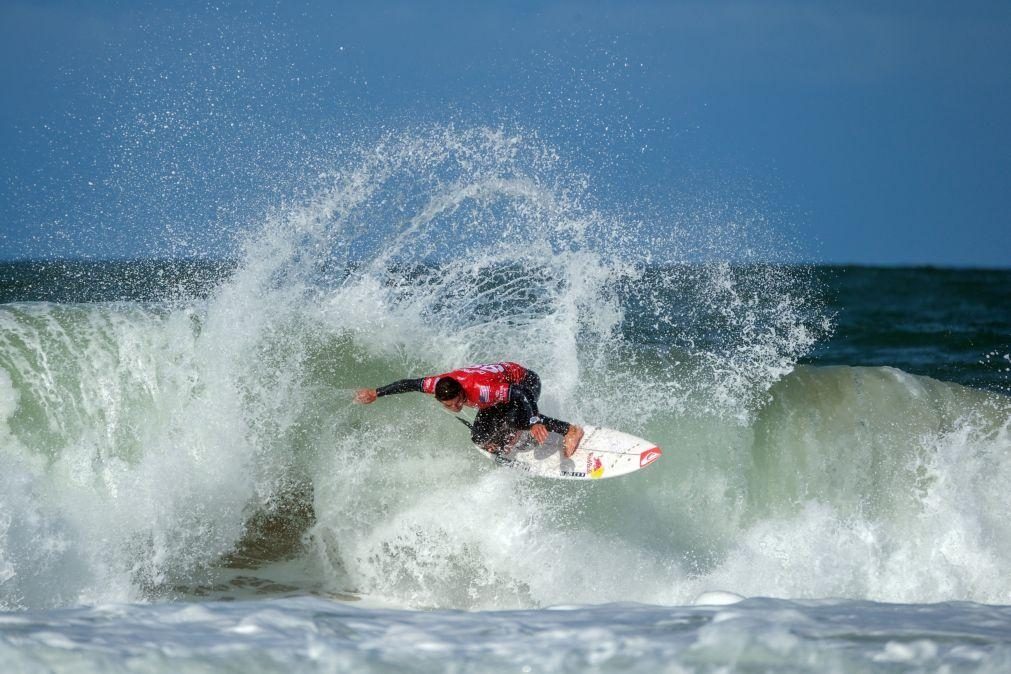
(540, 433)
(365, 396)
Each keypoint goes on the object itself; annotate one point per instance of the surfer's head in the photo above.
(449, 393)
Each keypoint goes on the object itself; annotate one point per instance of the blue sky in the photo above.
(874, 133)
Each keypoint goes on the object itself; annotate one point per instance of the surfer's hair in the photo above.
(447, 388)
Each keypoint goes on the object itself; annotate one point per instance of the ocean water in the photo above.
(189, 487)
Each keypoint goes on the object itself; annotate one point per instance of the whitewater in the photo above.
(189, 487)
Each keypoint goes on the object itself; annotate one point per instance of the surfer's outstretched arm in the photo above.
(400, 386)
(369, 395)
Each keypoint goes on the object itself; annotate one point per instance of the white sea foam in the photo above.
(312, 634)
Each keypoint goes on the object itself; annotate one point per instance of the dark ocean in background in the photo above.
(950, 324)
(188, 486)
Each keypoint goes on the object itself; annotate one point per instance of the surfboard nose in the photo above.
(649, 456)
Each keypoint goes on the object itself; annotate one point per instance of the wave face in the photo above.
(164, 449)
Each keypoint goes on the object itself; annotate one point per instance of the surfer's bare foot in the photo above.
(571, 441)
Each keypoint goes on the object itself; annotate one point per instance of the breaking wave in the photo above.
(172, 448)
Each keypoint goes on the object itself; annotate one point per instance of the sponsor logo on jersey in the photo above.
(649, 456)
(484, 394)
(491, 367)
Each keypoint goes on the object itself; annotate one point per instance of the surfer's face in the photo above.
(453, 404)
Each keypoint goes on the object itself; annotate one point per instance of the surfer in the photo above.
(505, 395)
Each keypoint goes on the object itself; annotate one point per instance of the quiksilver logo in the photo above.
(649, 456)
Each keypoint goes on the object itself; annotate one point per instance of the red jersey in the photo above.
(483, 385)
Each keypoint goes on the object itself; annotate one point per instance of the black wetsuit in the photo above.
(494, 424)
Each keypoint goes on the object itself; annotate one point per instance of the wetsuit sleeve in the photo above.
(527, 405)
(402, 386)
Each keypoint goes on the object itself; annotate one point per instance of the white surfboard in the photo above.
(602, 453)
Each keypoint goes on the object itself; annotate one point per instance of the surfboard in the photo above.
(602, 453)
